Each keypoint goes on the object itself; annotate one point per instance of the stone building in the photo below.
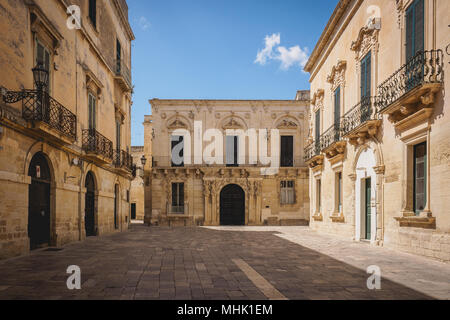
(137, 185)
(238, 188)
(65, 170)
(380, 125)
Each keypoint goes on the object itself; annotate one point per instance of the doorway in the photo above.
(39, 202)
(133, 211)
(232, 206)
(89, 209)
(368, 208)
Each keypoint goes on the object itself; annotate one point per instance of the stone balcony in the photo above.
(44, 116)
(122, 75)
(361, 122)
(332, 144)
(407, 96)
(313, 156)
(97, 147)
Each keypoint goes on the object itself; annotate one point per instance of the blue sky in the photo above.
(221, 49)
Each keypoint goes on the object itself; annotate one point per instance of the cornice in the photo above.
(326, 34)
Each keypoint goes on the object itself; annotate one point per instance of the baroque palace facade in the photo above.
(378, 145)
(65, 170)
(237, 190)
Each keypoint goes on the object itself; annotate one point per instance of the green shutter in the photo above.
(317, 126)
(409, 33)
(337, 107)
(419, 26)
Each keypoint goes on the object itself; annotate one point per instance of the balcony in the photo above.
(122, 75)
(123, 160)
(45, 116)
(97, 147)
(361, 122)
(408, 95)
(332, 144)
(313, 156)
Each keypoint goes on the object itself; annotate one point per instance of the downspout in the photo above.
(81, 164)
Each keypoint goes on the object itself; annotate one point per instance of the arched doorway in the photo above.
(89, 208)
(365, 196)
(232, 206)
(39, 202)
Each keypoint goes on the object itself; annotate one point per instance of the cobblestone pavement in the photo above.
(222, 263)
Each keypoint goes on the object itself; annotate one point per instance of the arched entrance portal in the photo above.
(89, 208)
(39, 202)
(232, 206)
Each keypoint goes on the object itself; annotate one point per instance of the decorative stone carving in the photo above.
(337, 75)
(177, 124)
(232, 124)
(367, 39)
(287, 124)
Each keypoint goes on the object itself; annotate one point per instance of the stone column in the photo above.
(379, 203)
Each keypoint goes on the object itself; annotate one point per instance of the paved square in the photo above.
(222, 263)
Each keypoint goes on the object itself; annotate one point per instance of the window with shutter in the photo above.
(337, 107)
(43, 58)
(317, 127)
(92, 111)
(415, 28)
(287, 151)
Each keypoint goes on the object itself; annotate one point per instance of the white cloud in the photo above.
(294, 56)
(144, 23)
(267, 53)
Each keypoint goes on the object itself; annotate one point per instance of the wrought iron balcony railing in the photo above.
(332, 135)
(123, 159)
(40, 106)
(364, 111)
(94, 142)
(312, 150)
(426, 67)
(123, 71)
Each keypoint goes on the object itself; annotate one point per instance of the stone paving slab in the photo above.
(198, 264)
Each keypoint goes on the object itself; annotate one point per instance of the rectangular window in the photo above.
(337, 108)
(177, 198)
(287, 151)
(319, 196)
(366, 76)
(317, 129)
(287, 192)
(339, 192)
(118, 57)
(232, 151)
(177, 151)
(92, 111)
(118, 135)
(415, 29)
(93, 12)
(420, 177)
(43, 58)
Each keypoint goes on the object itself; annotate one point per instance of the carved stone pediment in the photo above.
(317, 99)
(367, 39)
(337, 75)
(287, 124)
(177, 124)
(232, 124)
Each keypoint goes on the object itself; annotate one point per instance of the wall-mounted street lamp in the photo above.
(41, 78)
(143, 160)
